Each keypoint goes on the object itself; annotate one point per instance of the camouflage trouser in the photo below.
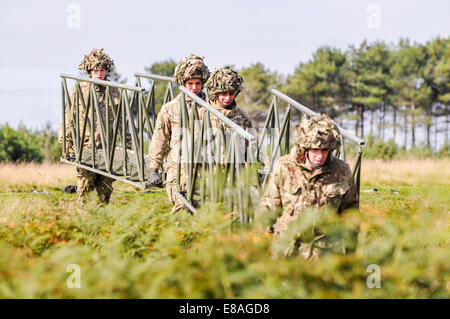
(87, 180)
(172, 186)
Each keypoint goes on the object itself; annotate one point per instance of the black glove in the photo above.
(71, 156)
(155, 179)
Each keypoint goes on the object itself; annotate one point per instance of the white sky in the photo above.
(37, 43)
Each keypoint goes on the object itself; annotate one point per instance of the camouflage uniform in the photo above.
(294, 187)
(225, 80)
(166, 136)
(87, 180)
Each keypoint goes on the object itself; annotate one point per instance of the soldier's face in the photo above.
(226, 98)
(98, 74)
(194, 85)
(317, 157)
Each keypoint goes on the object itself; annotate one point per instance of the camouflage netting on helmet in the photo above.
(317, 132)
(97, 59)
(192, 67)
(224, 80)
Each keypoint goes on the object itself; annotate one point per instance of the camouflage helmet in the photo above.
(192, 67)
(224, 80)
(317, 132)
(97, 59)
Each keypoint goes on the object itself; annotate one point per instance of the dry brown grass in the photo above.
(15, 177)
(29, 176)
(406, 172)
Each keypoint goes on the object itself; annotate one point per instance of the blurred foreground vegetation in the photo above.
(136, 248)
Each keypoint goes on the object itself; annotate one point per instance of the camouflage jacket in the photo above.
(166, 136)
(293, 187)
(71, 116)
(235, 114)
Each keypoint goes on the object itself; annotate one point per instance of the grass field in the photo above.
(136, 248)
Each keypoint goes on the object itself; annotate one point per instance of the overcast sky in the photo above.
(41, 39)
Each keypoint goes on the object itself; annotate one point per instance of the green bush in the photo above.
(444, 151)
(419, 151)
(25, 145)
(376, 148)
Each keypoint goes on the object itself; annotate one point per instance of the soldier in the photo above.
(309, 177)
(223, 87)
(192, 73)
(97, 64)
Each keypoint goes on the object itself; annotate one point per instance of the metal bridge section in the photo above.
(148, 99)
(274, 138)
(216, 159)
(216, 163)
(109, 157)
(210, 159)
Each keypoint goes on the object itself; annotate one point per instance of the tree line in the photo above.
(374, 88)
(384, 92)
(398, 87)
(26, 145)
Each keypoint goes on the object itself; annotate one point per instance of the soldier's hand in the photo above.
(71, 156)
(155, 179)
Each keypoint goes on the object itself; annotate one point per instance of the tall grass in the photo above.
(26, 176)
(411, 172)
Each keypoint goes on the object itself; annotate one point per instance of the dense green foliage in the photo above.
(25, 145)
(135, 248)
(164, 68)
(255, 96)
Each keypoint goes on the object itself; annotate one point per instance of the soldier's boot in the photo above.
(85, 184)
(179, 205)
(104, 189)
(171, 189)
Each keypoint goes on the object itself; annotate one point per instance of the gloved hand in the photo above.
(155, 179)
(71, 156)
